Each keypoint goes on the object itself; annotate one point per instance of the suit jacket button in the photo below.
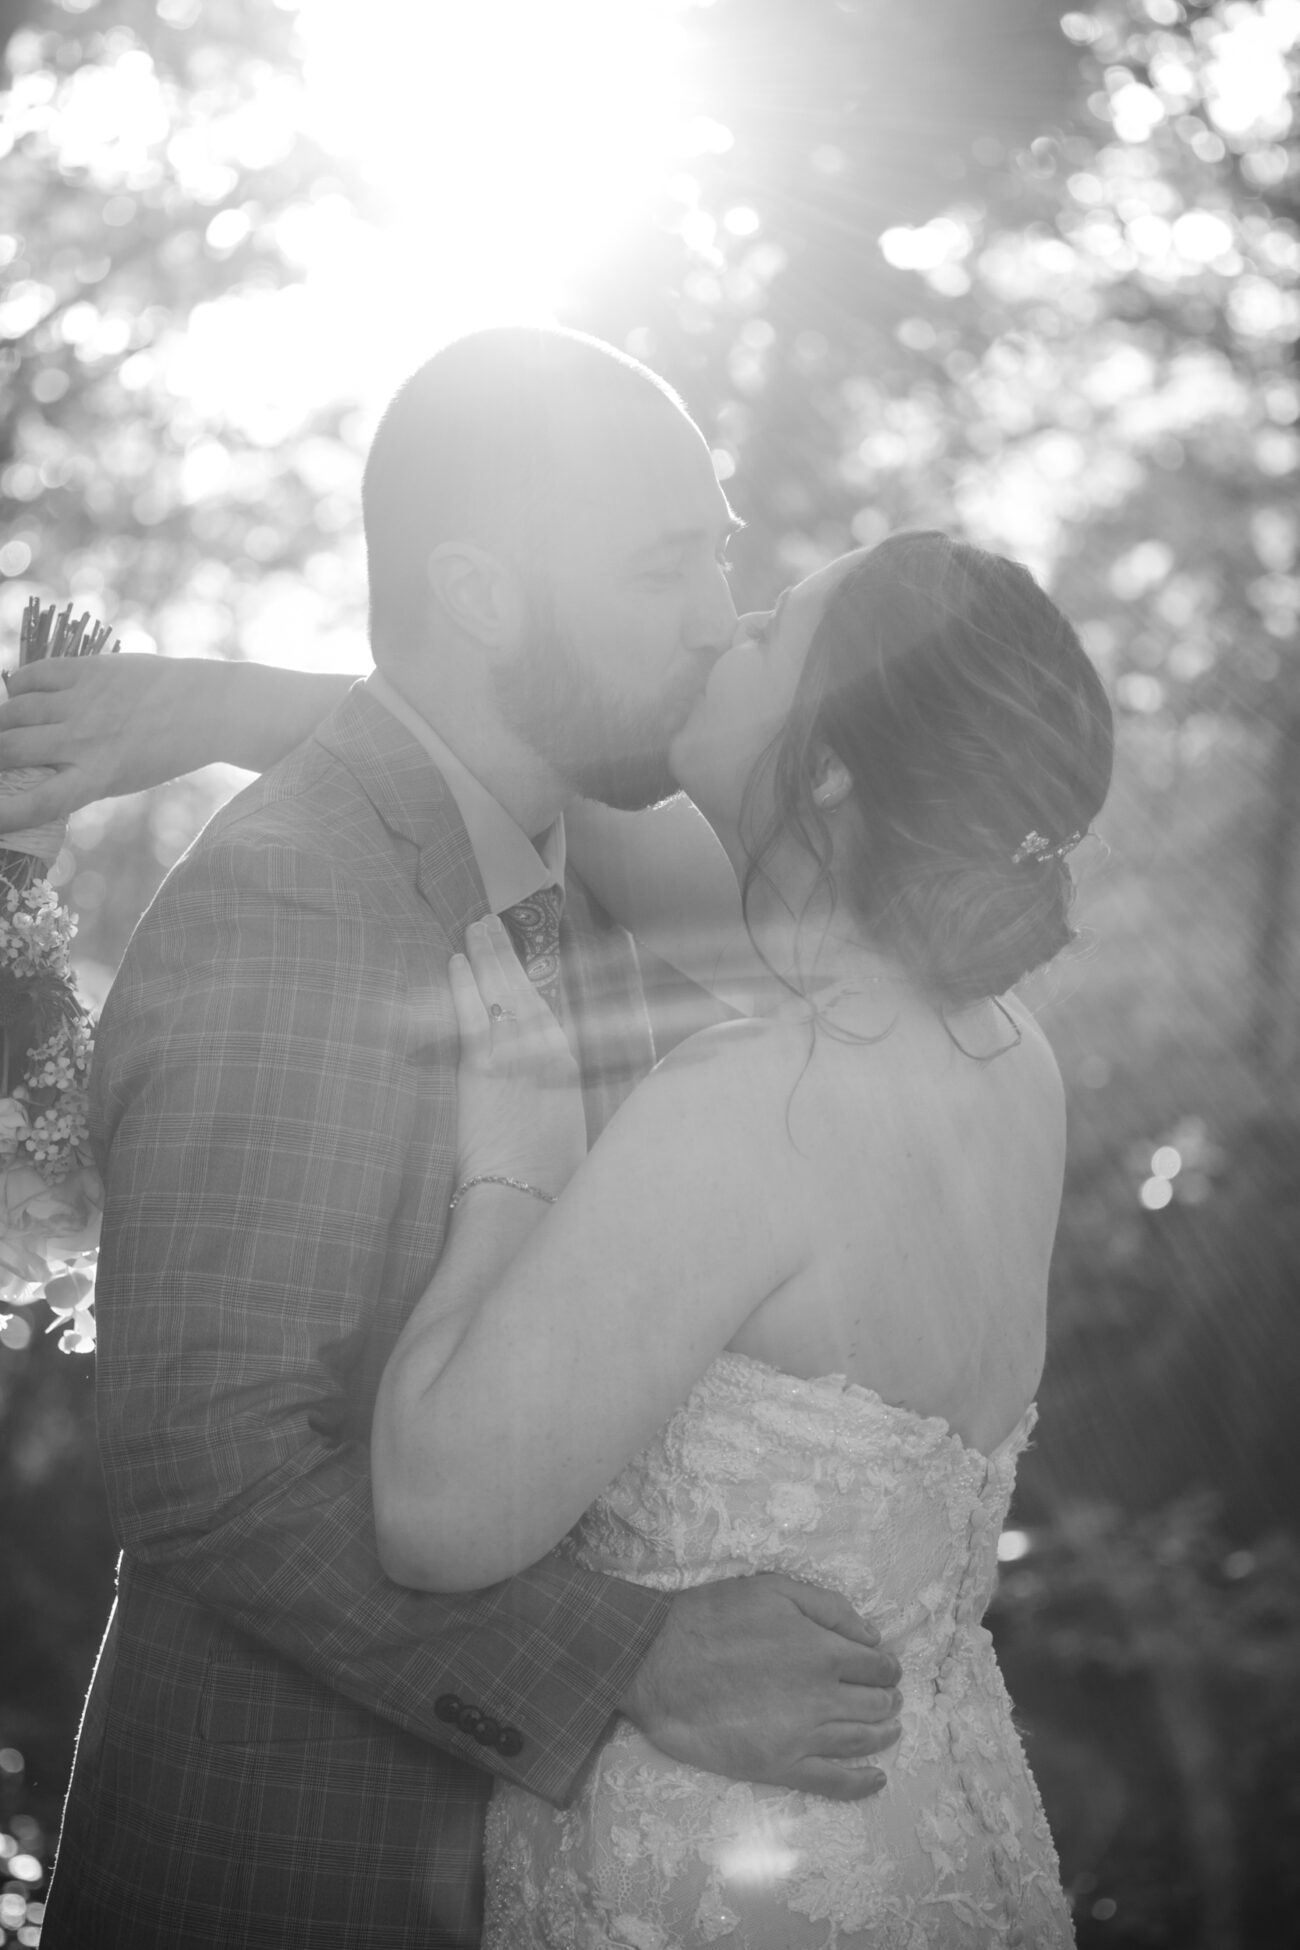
(509, 1741)
(486, 1731)
(469, 1719)
(447, 1708)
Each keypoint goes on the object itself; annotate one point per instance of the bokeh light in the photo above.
(760, 1854)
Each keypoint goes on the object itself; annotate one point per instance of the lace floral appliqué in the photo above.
(761, 1471)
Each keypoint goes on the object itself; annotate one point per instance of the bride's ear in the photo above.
(831, 782)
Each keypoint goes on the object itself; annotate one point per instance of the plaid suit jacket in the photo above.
(260, 1762)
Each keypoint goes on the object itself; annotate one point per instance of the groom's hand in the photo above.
(768, 1679)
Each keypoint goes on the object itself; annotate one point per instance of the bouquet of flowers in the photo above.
(51, 1198)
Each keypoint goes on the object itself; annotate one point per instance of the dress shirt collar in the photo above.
(511, 865)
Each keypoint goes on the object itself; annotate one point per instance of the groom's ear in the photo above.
(478, 593)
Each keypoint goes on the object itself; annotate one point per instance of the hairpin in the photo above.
(1035, 847)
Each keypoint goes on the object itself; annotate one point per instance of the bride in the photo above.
(789, 1313)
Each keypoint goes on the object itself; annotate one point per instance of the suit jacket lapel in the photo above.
(410, 795)
(448, 880)
(600, 981)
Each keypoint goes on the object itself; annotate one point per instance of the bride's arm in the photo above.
(663, 874)
(112, 725)
(120, 724)
(554, 1341)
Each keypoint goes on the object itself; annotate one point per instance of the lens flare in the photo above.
(506, 143)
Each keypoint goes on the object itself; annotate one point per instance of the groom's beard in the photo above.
(605, 747)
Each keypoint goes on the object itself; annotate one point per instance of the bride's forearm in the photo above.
(413, 1498)
(100, 727)
(264, 711)
(544, 1356)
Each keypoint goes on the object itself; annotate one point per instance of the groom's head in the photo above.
(541, 511)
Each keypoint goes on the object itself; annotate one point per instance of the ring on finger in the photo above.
(499, 1014)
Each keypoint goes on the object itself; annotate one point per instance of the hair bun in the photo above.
(973, 726)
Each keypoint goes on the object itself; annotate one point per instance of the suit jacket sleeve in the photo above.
(250, 1052)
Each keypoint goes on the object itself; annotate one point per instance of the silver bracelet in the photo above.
(493, 1178)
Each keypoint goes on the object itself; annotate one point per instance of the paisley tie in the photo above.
(534, 928)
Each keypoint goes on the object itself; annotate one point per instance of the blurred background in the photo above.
(1025, 271)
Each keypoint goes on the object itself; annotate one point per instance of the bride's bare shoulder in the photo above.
(1033, 1040)
(1034, 1079)
(728, 1078)
(715, 1099)
(752, 1044)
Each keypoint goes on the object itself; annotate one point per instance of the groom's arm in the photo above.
(252, 1050)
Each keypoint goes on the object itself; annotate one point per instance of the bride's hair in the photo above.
(970, 720)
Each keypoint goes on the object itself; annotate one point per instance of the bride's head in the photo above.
(891, 737)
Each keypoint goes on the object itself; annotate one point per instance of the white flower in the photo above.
(71, 1298)
(23, 1272)
(59, 1221)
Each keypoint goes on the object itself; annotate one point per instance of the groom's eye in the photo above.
(663, 572)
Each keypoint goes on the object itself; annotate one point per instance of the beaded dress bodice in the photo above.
(762, 1471)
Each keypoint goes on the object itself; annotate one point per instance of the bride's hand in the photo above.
(519, 1095)
(109, 724)
(124, 723)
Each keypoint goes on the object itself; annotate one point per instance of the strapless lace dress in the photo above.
(761, 1471)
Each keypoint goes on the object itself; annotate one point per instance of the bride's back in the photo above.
(925, 1172)
(901, 1165)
